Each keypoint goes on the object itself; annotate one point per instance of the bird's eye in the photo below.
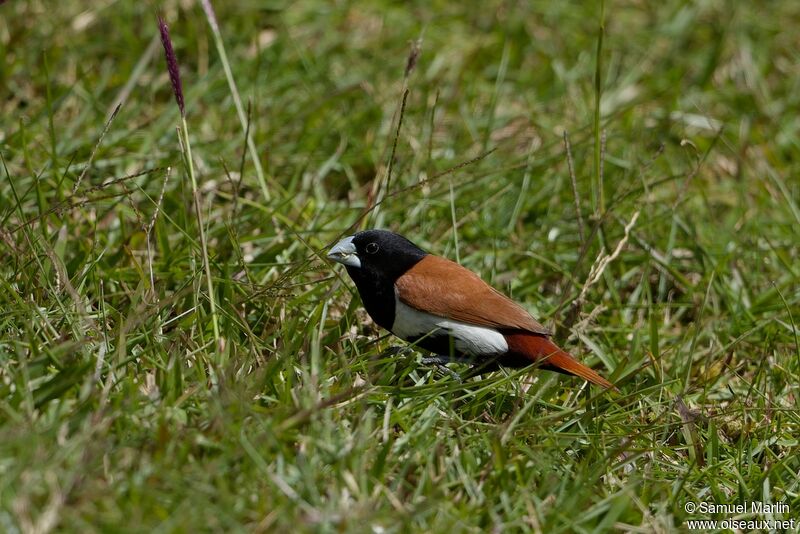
(371, 248)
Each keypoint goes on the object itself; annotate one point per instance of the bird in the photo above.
(446, 309)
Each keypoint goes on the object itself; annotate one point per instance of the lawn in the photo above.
(178, 355)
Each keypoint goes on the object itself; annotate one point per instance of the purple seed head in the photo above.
(413, 56)
(172, 65)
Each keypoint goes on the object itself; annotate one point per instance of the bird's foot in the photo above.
(436, 359)
(440, 363)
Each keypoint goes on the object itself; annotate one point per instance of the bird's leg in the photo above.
(440, 362)
(436, 359)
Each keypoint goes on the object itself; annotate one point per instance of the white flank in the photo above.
(469, 339)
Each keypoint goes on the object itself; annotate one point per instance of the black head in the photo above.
(376, 252)
(375, 259)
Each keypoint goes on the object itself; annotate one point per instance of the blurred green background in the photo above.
(120, 410)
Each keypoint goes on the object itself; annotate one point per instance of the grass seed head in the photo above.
(172, 65)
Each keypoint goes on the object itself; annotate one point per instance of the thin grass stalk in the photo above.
(574, 181)
(184, 132)
(599, 194)
(186, 149)
(237, 100)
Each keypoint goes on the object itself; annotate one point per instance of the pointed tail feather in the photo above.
(541, 350)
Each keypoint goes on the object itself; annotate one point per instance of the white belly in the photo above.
(468, 339)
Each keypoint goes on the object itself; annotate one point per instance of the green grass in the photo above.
(119, 411)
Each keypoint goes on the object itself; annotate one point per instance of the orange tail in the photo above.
(541, 350)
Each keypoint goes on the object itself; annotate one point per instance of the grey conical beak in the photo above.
(344, 252)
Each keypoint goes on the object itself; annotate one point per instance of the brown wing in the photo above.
(444, 288)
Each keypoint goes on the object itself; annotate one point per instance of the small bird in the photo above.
(446, 309)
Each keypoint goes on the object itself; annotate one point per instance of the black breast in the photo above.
(383, 257)
(377, 294)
